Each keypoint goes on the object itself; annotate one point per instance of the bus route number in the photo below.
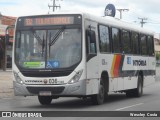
(28, 22)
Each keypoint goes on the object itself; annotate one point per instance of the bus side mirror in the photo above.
(91, 44)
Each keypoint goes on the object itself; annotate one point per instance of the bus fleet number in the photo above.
(53, 81)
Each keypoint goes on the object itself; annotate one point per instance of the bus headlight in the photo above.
(76, 77)
(17, 78)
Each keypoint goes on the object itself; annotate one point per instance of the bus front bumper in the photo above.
(76, 89)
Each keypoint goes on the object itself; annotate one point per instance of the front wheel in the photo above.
(45, 100)
(98, 99)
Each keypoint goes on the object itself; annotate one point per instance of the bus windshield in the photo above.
(48, 49)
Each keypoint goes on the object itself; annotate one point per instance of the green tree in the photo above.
(157, 56)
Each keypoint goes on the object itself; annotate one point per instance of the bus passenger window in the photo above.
(150, 46)
(116, 40)
(143, 39)
(104, 43)
(135, 43)
(126, 41)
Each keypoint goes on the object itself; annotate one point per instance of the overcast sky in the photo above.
(149, 9)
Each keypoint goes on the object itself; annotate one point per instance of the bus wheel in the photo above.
(98, 99)
(45, 100)
(138, 91)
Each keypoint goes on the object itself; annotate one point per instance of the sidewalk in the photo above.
(6, 84)
(157, 73)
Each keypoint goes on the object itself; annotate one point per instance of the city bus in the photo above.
(80, 55)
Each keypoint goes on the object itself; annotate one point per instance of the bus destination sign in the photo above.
(40, 21)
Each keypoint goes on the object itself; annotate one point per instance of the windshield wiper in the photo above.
(38, 38)
(40, 41)
(55, 38)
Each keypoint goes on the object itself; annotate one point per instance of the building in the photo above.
(157, 42)
(157, 50)
(157, 45)
(6, 49)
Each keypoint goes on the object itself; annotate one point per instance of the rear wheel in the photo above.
(45, 100)
(139, 89)
(138, 92)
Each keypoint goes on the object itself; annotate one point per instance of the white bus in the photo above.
(80, 55)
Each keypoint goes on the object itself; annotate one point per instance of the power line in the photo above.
(153, 23)
(149, 20)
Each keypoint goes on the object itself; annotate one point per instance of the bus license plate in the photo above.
(45, 93)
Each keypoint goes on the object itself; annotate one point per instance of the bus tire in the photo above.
(138, 92)
(98, 99)
(45, 100)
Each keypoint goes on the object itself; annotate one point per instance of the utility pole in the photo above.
(54, 5)
(142, 21)
(122, 10)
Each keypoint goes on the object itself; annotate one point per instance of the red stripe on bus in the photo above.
(117, 65)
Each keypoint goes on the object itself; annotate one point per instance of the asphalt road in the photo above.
(117, 102)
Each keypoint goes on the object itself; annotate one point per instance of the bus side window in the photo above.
(126, 42)
(150, 46)
(144, 50)
(91, 44)
(135, 43)
(104, 39)
(116, 40)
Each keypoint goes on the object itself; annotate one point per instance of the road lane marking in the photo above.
(129, 106)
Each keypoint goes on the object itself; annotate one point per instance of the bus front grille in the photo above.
(54, 90)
